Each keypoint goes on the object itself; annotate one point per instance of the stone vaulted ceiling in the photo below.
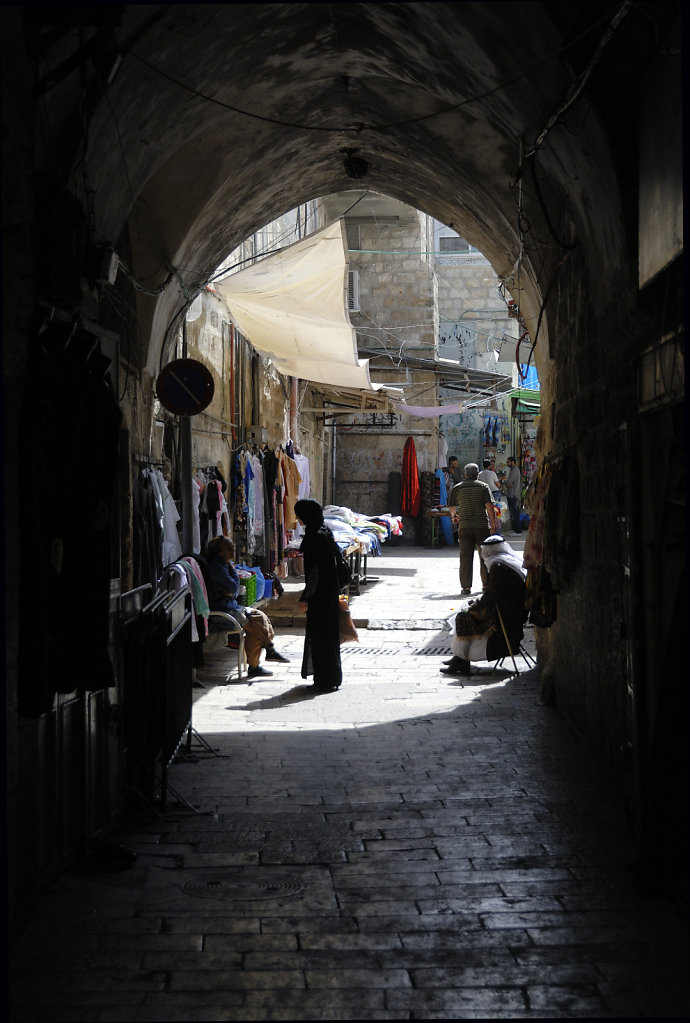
(222, 117)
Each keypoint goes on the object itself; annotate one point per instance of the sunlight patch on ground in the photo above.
(367, 699)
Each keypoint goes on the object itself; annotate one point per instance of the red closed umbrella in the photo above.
(410, 494)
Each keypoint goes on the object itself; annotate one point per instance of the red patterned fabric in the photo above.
(410, 494)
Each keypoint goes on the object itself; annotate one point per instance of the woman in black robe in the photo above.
(320, 599)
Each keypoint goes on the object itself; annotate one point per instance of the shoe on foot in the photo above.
(326, 688)
(465, 590)
(273, 655)
(457, 666)
(258, 672)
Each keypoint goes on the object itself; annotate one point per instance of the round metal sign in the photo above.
(185, 387)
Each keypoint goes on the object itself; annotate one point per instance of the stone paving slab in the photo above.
(410, 847)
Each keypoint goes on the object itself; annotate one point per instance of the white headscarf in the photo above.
(497, 551)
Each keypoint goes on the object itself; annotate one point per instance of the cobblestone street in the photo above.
(413, 846)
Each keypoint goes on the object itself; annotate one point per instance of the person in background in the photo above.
(514, 495)
(451, 473)
(479, 630)
(488, 476)
(223, 584)
(476, 516)
(320, 599)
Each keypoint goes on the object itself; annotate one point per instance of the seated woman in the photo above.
(223, 584)
(479, 634)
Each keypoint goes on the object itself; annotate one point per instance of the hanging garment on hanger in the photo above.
(410, 491)
(198, 588)
(250, 488)
(279, 495)
(173, 579)
(201, 481)
(302, 463)
(292, 481)
(147, 533)
(172, 548)
(257, 501)
(196, 520)
(158, 497)
(213, 506)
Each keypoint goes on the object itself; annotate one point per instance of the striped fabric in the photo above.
(471, 498)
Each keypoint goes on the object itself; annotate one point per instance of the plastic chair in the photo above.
(233, 627)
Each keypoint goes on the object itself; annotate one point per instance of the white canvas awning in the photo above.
(292, 307)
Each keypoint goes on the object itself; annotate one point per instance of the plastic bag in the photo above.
(348, 632)
(260, 581)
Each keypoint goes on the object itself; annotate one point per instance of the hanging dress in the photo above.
(410, 493)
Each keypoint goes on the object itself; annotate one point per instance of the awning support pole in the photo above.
(186, 484)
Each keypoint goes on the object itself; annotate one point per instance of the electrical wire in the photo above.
(578, 85)
(359, 127)
(226, 270)
(238, 110)
(172, 273)
(540, 199)
(121, 145)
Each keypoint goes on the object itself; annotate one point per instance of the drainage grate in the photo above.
(352, 650)
(239, 889)
(438, 650)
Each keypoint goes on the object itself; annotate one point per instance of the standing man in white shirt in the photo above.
(488, 476)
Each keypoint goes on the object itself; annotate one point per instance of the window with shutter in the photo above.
(353, 291)
(453, 244)
(354, 238)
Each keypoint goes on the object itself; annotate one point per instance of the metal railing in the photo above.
(157, 685)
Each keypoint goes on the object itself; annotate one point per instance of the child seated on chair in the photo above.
(223, 584)
(480, 631)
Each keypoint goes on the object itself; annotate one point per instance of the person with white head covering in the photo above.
(479, 634)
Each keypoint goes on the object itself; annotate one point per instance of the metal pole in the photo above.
(186, 484)
(294, 401)
(334, 452)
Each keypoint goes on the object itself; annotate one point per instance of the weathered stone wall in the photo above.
(473, 321)
(396, 319)
(587, 406)
(468, 294)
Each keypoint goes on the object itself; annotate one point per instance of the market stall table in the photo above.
(434, 514)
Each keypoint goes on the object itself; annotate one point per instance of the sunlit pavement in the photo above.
(412, 846)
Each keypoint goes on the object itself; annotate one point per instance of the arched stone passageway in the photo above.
(172, 133)
(219, 141)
